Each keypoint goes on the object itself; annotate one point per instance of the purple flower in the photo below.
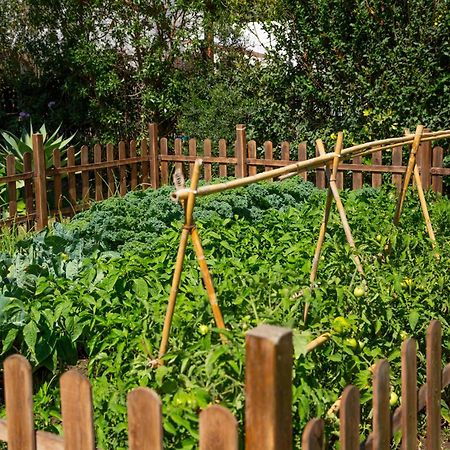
(23, 115)
(51, 104)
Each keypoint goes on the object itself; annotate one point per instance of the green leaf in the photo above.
(413, 318)
(30, 332)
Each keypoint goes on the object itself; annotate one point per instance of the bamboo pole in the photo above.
(317, 342)
(423, 204)
(409, 172)
(179, 262)
(311, 163)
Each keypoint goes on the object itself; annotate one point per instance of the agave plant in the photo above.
(17, 146)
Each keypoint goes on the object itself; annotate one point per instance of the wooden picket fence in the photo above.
(268, 406)
(103, 171)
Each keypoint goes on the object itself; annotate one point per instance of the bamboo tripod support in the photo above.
(332, 192)
(189, 229)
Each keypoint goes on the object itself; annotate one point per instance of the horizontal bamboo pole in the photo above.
(317, 342)
(312, 163)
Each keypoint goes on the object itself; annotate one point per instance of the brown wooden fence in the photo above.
(77, 178)
(268, 406)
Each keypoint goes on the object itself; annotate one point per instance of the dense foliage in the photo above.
(93, 293)
(107, 68)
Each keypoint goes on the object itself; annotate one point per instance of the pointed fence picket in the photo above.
(268, 408)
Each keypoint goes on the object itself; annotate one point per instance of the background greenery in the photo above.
(106, 68)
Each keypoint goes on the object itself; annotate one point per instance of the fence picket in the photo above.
(285, 151)
(134, 177)
(28, 185)
(268, 388)
(241, 152)
(349, 416)
(40, 182)
(192, 152)
(268, 155)
(438, 161)
(320, 174)
(312, 438)
(164, 151)
(154, 161)
(377, 160)
(178, 152)
(409, 395)
(397, 160)
(223, 153)
(109, 170)
(57, 184)
(84, 175)
(98, 175)
(145, 430)
(12, 197)
(76, 410)
(218, 429)
(122, 169)
(357, 177)
(19, 403)
(302, 156)
(207, 166)
(145, 165)
(433, 344)
(252, 168)
(423, 159)
(381, 416)
(71, 177)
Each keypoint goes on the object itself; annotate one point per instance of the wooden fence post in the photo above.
(268, 388)
(424, 157)
(312, 437)
(241, 152)
(40, 182)
(218, 429)
(154, 161)
(19, 403)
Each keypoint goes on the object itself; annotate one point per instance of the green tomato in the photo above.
(341, 325)
(393, 400)
(404, 335)
(203, 329)
(378, 237)
(352, 343)
(359, 291)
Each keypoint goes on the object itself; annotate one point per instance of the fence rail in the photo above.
(268, 407)
(75, 179)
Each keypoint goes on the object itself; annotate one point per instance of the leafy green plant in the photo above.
(18, 146)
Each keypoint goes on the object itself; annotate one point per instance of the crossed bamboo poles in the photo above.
(187, 197)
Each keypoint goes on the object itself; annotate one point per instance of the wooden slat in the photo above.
(433, 340)
(409, 395)
(40, 182)
(320, 175)
(57, 184)
(17, 177)
(192, 153)
(19, 403)
(223, 153)
(207, 144)
(397, 158)
(357, 177)
(423, 158)
(98, 175)
(178, 152)
(28, 184)
(122, 169)
(76, 409)
(109, 171)
(145, 165)
(377, 158)
(349, 415)
(153, 150)
(268, 155)
(12, 196)
(268, 388)
(164, 151)
(145, 430)
(134, 175)
(285, 152)
(252, 169)
(85, 175)
(438, 161)
(218, 429)
(302, 156)
(241, 152)
(313, 436)
(71, 176)
(381, 416)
